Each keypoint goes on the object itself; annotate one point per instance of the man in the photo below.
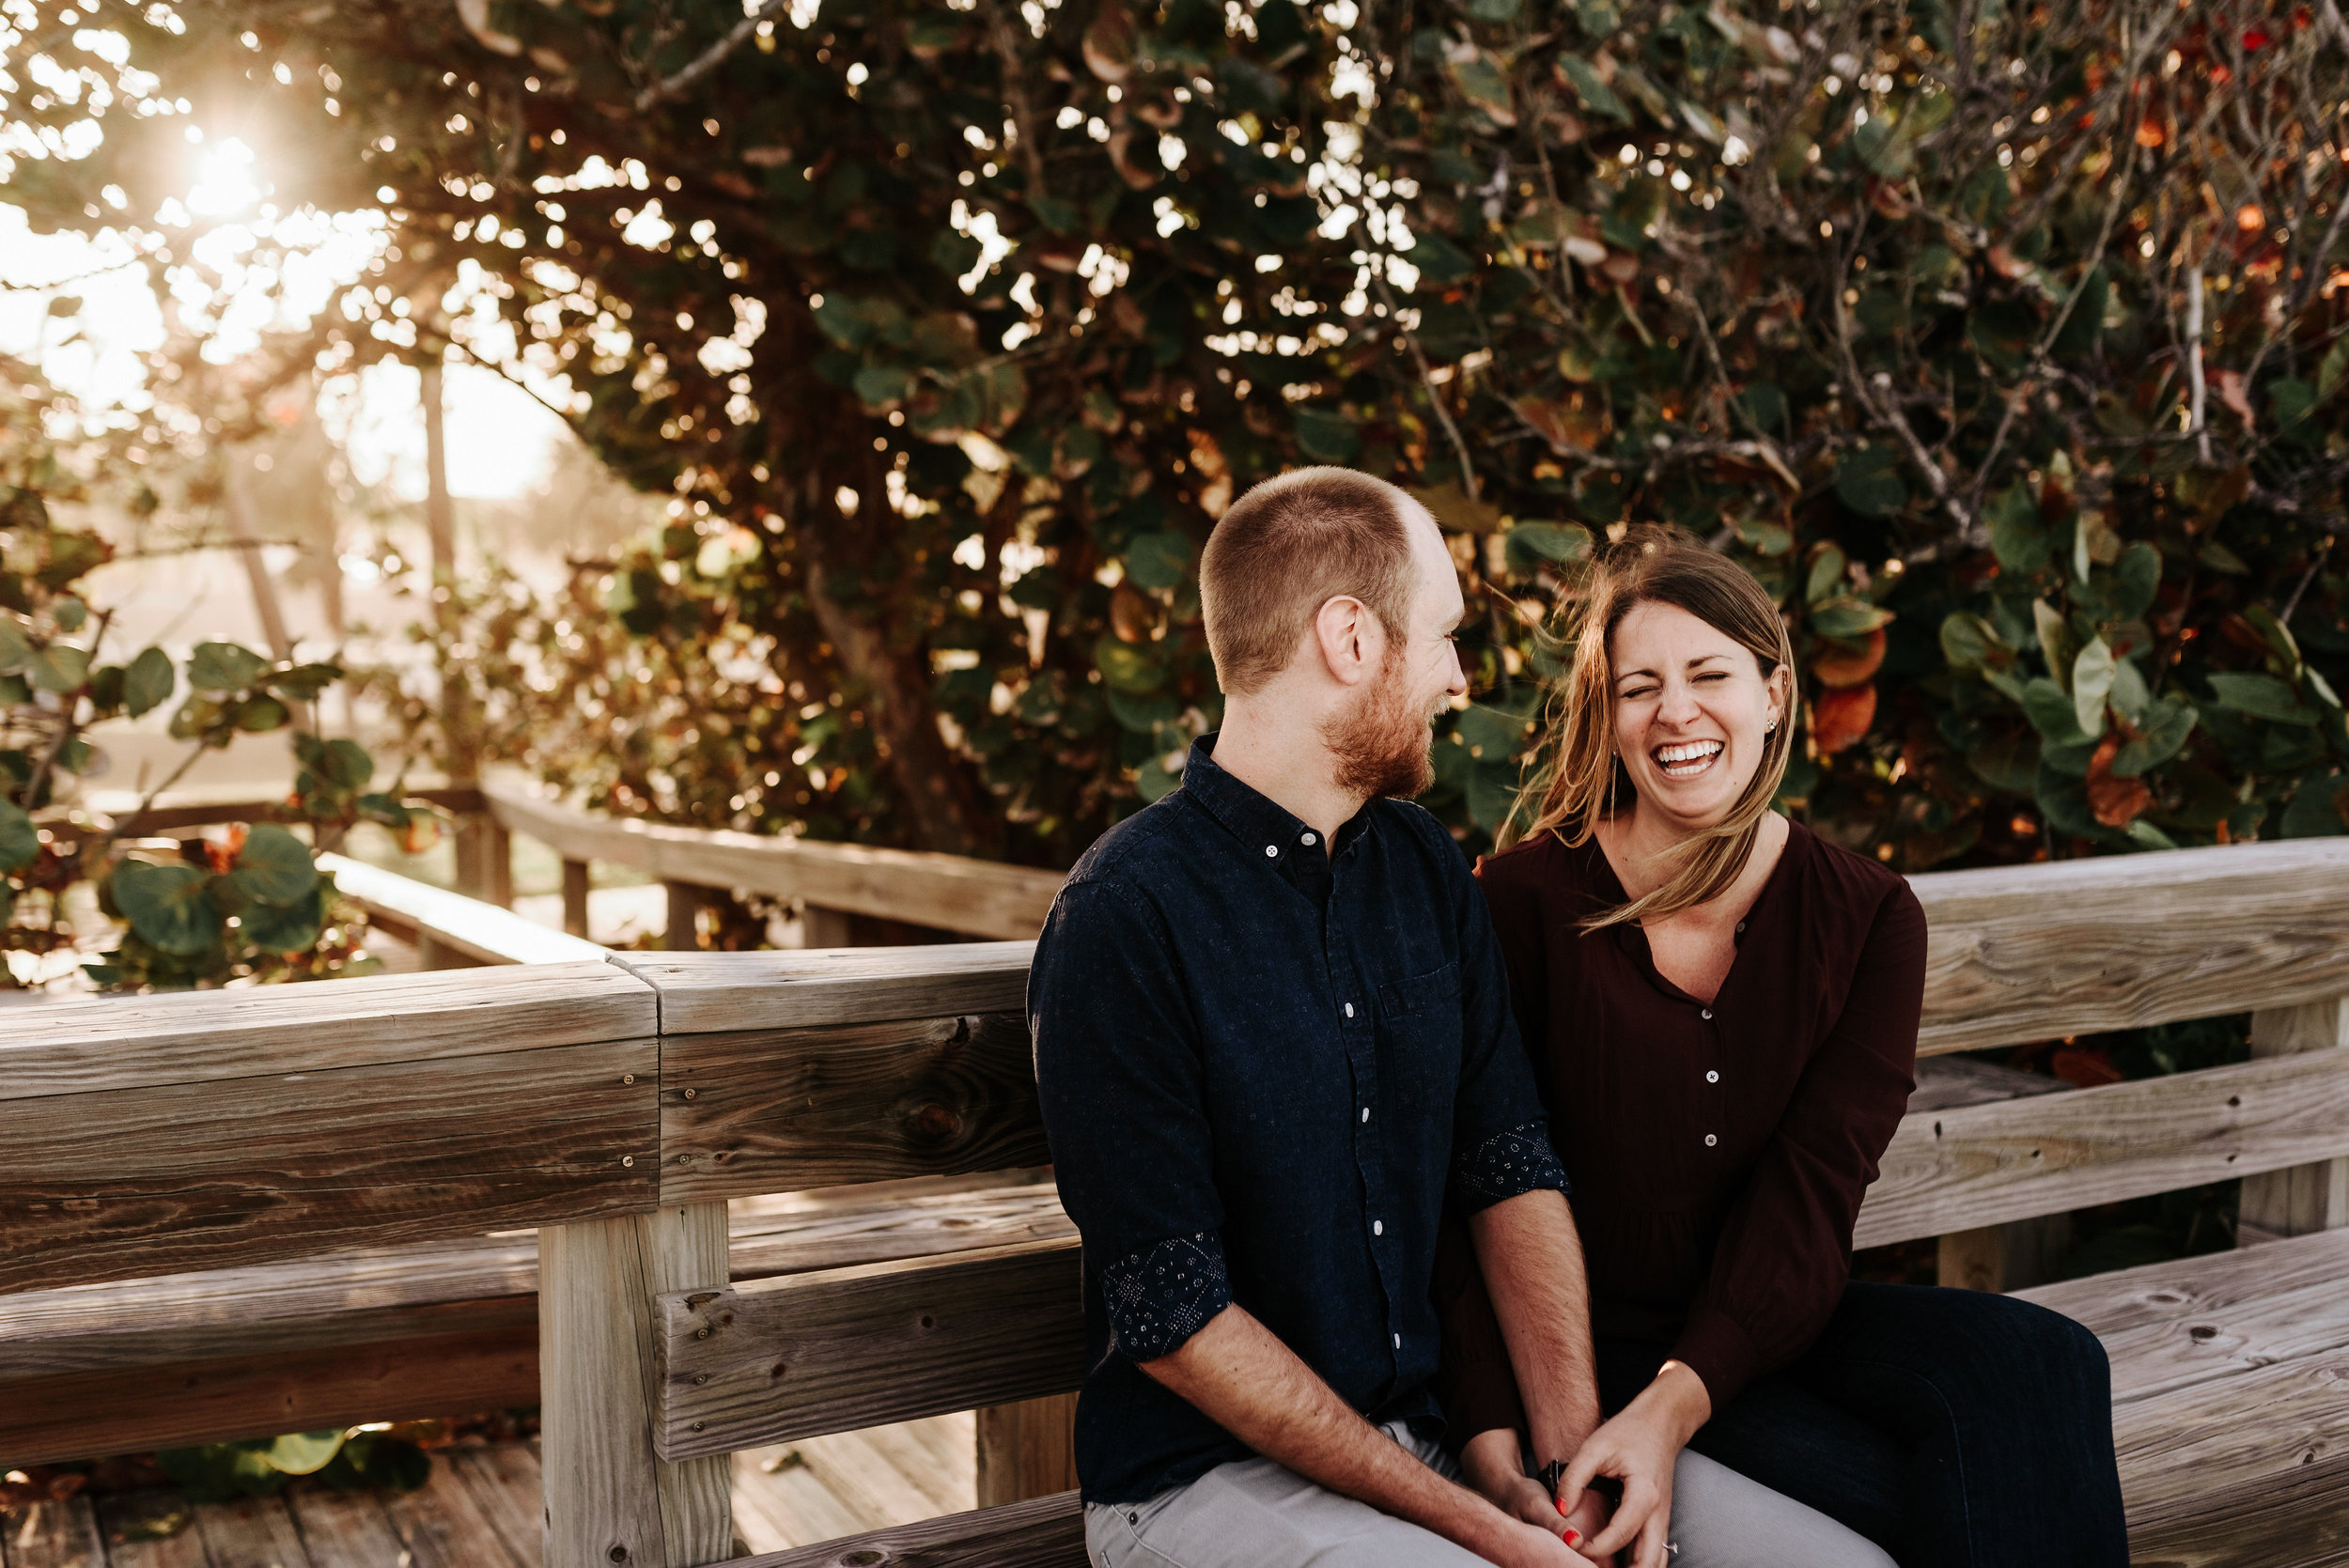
(1272, 1032)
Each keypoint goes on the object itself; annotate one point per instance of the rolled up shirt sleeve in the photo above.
(1501, 1147)
(1119, 1076)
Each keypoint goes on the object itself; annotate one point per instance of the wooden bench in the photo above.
(619, 1107)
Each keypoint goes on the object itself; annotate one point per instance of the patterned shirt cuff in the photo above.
(1508, 1164)
(1158, 1297)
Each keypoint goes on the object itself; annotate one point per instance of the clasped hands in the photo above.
(1637, 1450)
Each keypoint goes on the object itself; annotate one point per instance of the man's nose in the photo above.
(1458, 683)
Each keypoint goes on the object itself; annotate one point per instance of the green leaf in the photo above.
(2130, 694)
(60, 668)
(1439, 260)
(2148, 836)
(1848, 618)
(286, 927)
(1596, 96)
(1490, 734)
(1143, 713)
(2135, 578)
(224, 667)
(70, 613)
(1969, 642)
(1125, 667)
(2016, 535)
(1326, 436)
(2165, 731)
(170, 906)
(148, 682)
(1492, 793)
(1827, 572)
(1159, 560)
(345, 764)
(2262, 698)
(20, 840)
(2011, 763)
(1529, 544)
(15, 649)
(273, 867)
(260, 715)
(1485, 82)
(2217, 557)
(2055, 639)
(2319, 809)
(302, 1453)
(2092, 683)
(2051, 712)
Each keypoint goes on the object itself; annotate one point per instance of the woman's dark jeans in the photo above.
(1953, 1428)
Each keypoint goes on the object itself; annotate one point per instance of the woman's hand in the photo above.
(1490, 1464)
(1640, 1448)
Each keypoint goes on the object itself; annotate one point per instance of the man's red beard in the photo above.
(1383, 743)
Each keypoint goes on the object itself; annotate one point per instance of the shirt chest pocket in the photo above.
(1419, 1037)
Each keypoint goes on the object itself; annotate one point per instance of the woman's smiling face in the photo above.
(1691, 712)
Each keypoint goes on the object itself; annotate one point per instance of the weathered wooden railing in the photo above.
(617, 1106)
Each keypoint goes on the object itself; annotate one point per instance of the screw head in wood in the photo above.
(690, 1093)
(700, 1379)
(628, 1077)
(701, 1333)
(698, 1425)
(627, 1159)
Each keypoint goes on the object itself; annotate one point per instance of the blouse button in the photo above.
(1706, 1012)
(1712, 1078)
(1272, 852)
(1710, 1139)
(1377, 1227)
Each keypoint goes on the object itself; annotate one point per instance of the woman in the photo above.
(1722, 1010)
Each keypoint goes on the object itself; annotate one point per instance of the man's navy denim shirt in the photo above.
(1262, 1065)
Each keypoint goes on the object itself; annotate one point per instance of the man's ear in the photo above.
(1350, 640)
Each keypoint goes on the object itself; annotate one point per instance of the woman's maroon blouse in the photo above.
(1718, 1151)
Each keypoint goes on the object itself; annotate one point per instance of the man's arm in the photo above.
(1533, 1264)
(1240, 1375)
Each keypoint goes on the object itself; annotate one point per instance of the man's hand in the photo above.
(1640, 1448)
(1490, 1462)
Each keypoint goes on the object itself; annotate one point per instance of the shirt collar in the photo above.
(1265, 827)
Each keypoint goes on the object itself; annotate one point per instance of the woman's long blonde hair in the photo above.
(1581, 780)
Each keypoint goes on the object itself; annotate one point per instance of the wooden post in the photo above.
(2012, 1256)
(485, 861)
(2307, 1198)
(685, 901)
(820, 928)
(1027, 1450)
(609, 1497)
(575, 897)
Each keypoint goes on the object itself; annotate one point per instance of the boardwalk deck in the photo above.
(482, 1510)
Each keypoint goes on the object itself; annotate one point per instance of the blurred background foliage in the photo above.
(2002, 343)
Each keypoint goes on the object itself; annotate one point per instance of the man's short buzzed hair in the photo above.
(1287, 548)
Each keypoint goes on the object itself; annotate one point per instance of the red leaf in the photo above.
(1840, 717)
(2115, 802)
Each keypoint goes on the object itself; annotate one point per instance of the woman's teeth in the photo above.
(1687, 762)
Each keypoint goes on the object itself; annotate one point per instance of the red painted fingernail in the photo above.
(1574, 1537)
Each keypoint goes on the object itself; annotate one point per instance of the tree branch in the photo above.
(711, 58)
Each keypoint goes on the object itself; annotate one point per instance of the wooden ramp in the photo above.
(482, 1509)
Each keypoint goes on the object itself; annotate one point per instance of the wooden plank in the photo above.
(986, 899)
(703, 993)
(681, 932)
(2003, 1257)
(2240, 1471)
(129, 1409)
(2030, 952)
(205, 808)
(2305, 1198)
(52, 1535)
(772, 1360)
(444, 1525)
(1986, 1164)
(776, 1110)
(575, 898)
(506, 1481)
(235, 1171)
(471, 926)
(79, 1048)
(2215, 1315)
(608, 1496)
(381, 1294)
(1049, 1532)
(343, 1530)
(150, 1529)
(253, 1532)
(1027, 1450)
(1946, 1083)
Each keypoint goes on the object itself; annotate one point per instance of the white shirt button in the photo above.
(1307, 841)
(1377, 1227)
(1712, 1078)
(1398, 1342)
(1706, 1012)
(1366, 1113)
(1350, 1009)
(1710, 1139)
(1271, 851)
